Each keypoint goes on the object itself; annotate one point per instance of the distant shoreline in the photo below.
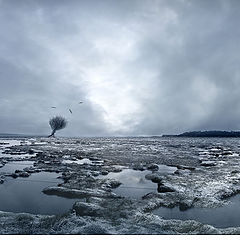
(222, 134)
(17, 135)
(192, 134)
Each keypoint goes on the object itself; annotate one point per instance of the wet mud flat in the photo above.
(119, 185)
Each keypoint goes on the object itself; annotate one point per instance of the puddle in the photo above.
(83, 161)
(134, 184)
(221, 217)
(25, 195)
(80, 162)
(12, 166)
(165, 170)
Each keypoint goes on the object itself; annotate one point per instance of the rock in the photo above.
(30, 170)
(14, 175)
(208, 163)
(18, 171)
(87, 209)
(163, 188)
(138, 167)
(113, 183)
(49, 170)
(94, 229)
(226, 153)
(183, 206)
(155, 177)
(1, 181)
(104, 172)
(95, 174)
(93, 159)
(116, 170)
(149, 195)
(31, 151)
(182, 167)
(24, 174)
(186, 168)
(182, 172)
(76, 193)
(153, 167)
(229, 192)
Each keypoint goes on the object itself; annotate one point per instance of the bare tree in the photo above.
(56, 124)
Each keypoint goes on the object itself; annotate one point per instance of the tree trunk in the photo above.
(52, 134)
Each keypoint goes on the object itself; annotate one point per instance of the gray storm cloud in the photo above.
(140, 67)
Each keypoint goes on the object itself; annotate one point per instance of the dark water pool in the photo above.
(12, 166)
(25, 195)
(134, 184)
(221, 217)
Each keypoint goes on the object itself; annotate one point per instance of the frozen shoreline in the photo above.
(209, 181)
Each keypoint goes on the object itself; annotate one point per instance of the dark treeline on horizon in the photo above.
(207, 134)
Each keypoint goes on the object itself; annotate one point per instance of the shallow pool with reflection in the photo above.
(25, 195)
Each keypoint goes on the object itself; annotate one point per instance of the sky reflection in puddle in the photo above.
(25, 195)
(222, 217)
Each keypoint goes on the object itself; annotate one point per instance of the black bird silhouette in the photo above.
(70, 110)
(80, 102)
(53, 107)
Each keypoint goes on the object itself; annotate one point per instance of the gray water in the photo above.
(25, 195)
(12, 166)
(222, 217)
(134, 184)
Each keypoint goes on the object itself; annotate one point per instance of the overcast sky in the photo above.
(141, 67)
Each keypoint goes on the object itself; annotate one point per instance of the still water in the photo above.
(134, 184)
(12, 166)
(25, 195)
(222, 217)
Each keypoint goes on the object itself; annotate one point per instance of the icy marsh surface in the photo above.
(122, 185)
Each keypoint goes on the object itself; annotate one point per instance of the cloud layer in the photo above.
(141, 67)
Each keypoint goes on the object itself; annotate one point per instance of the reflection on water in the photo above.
(134, 184)
(12, 166)
(80, 161)
(165, 170)
(222, 217)
(25, 195)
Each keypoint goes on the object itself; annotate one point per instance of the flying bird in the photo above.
(53, 107)
(80, 102)
(70, 110)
